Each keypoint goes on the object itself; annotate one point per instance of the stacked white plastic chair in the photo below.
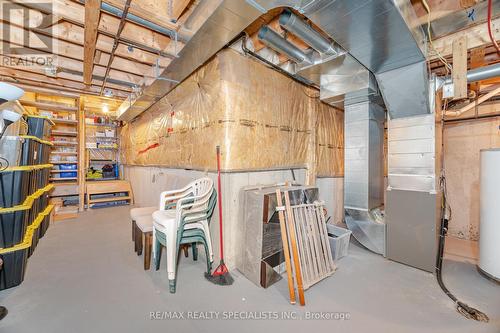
(191, 199)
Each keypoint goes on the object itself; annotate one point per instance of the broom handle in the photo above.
(220, 204)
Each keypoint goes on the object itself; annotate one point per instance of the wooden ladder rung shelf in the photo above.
(108, 187)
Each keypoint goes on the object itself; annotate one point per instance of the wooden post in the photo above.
(92, 16)
(459, 74)
(286, 249)
(81, 154)
(311, 147)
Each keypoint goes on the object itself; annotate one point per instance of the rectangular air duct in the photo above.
(363, 172)
(363, 160)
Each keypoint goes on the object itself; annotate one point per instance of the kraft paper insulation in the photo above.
(260, 118)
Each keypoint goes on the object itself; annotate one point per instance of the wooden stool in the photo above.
(144, 226)
(135, 213)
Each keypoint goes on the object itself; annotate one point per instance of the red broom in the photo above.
(221, 274)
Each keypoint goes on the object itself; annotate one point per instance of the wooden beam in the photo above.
(164, 13)
(74, 12)
(81, 154)
(176, 8)
(459, 73)
(76, 52)
(440, 8)
(36, 77)
(69, 65)
(196, 15)
(68, 35)
(476, 36)
(152, 10)
(49, 106)
(456, 113)
(92, 14)
(40, 90)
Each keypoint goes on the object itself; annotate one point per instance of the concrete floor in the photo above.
(85, 277)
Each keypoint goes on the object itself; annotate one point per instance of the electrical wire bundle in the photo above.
(446, 215)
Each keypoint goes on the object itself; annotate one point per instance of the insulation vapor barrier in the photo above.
(260, 118)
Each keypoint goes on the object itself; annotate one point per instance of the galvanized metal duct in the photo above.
(301, 29)
(378, 34)
(478, 74)
(274, 40)
(363, 172)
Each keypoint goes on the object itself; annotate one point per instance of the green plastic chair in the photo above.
(188, 236)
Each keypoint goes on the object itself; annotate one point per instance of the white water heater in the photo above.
(489, 232)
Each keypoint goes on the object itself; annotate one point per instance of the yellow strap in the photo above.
(28, 202)
(26, 243)
(24, 206)
(28, 236)
(31, 137)
(27, 167)
(41, 191)
(43, 166)
(43, 117)
(20, 168)
(36, 223)
(47, 142)
(47, 210)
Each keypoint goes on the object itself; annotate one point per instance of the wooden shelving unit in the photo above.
(111, 190)
(101, 148)
(68, 138)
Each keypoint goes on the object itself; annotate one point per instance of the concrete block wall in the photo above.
(149, 182)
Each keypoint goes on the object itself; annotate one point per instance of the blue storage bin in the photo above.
(68, 167)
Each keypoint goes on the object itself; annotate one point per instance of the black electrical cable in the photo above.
(464, 309)
(4, 163)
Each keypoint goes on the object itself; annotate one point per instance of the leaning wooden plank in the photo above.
(286, 248)
(295, 253)
(326, 243)
(315, 235)
(318, 256)
(307, 236)
(304, 256)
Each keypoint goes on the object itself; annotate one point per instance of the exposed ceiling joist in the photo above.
(74, 12)
(71, 34)
(65, 81)
(48, 106)
(440, 8)
(155, 11)
(92, 14)
(476, 36)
